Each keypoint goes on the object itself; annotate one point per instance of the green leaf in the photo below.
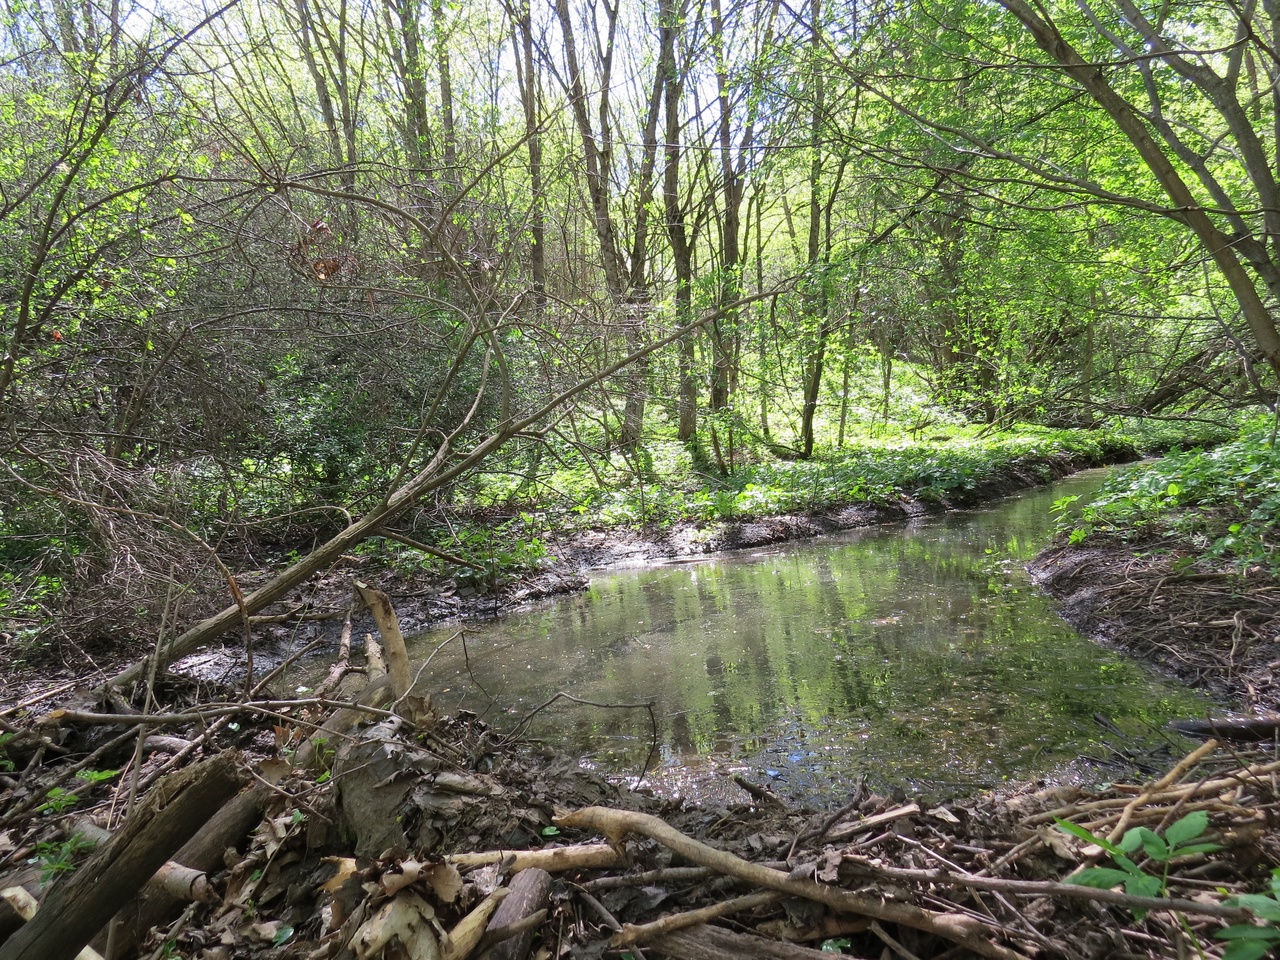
(1066, 826)
(1144, 886)
(1099, 878)
(1156, 848)
(1246, 950)
(1257, 904)
(1247, 931)
(1188, 828)
(282, 936)
(1197, 848)
(551, 831)
(1132, 839)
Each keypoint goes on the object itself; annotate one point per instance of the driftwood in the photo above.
(966, 931)
(583, 856)
(530, 894)
(78, 907)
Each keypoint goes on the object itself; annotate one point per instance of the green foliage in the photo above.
(1136, 880)
(874, 470)
(59, 856)
(58, 800)
(1248, 941)
(1223, 503)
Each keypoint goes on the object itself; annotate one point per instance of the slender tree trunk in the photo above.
(448, 130)
(528, 81)
(671, 16)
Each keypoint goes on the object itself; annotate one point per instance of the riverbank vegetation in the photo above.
(273, 285)
(1178, 562)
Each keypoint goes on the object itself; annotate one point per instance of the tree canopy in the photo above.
(270, 266)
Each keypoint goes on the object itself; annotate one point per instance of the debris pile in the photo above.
(367, 827)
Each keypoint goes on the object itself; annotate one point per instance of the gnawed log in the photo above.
(583, 856)
(202, 854)
(466, 936)
(384, 615)
(80, 905)
(530, 895)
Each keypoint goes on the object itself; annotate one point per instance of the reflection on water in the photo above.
(913, 654)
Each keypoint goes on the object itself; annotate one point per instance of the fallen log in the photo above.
(82, 904)
(966, 931)
(530, 894)
(203, 854)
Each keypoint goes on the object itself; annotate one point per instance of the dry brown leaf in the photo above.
(445, 880)
(346, 870)
(408, 919)
(393, 883)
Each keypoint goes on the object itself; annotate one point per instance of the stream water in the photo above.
(917, 655)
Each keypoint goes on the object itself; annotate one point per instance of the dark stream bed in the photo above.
(916, 655)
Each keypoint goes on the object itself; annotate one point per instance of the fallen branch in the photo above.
(79, 906)
(644, 932)
(1047, 888)
(963, 930)
(714, 943)
(586, 856)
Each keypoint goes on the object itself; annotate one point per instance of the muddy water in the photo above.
(917, 655)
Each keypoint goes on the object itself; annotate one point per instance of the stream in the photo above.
(917, 655)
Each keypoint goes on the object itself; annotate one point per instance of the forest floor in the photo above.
(396, 840)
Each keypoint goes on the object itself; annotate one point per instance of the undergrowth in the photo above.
(1222, 504)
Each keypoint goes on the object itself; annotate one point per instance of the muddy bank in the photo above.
(615, 547)
(1217, 630)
